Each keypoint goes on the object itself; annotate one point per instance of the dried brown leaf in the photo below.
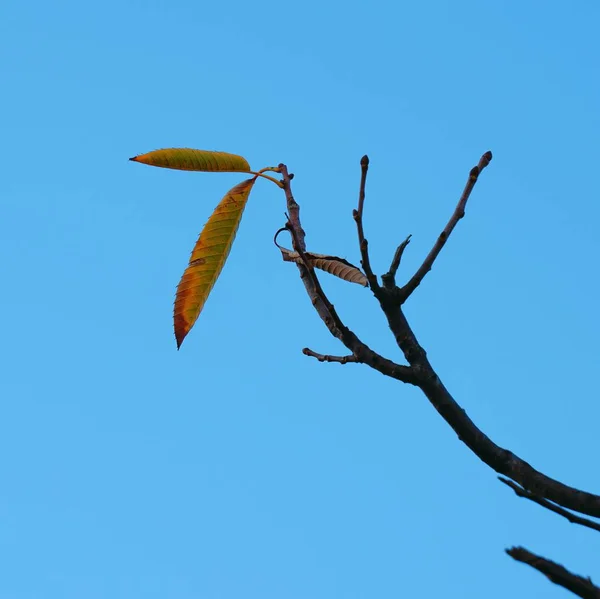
(334, 265)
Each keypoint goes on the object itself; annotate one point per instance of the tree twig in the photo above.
(358, 217)
(389, 278)
(573, 518)
(459, 212)
(582, 587)
(316, 284)
(327, 358)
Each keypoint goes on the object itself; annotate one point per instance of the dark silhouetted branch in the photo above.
(326, 358)
(582, 587)
(358, 217)
(573, 518)
(421, 373)
(389, 278)
(499, 459)
(459, 212)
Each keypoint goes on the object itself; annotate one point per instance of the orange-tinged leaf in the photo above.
(208, 257)
(187, 159)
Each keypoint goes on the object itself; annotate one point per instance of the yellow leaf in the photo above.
(186, 159)
(208, 258)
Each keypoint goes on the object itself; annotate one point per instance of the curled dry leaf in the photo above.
(208, 258)
(332, 264)
(187, 159)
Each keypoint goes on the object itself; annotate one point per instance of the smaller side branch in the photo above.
(459, 212)
(326, 358)
(338, 324)
(582, 587)
(521, 492)
(358, 217)
(389, 278)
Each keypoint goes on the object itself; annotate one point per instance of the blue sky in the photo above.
(237, 467)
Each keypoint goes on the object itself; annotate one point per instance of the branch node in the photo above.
(327, 358)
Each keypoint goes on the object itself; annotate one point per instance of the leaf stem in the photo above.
(260, 174)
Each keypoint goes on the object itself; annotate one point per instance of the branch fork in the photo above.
(520, 476)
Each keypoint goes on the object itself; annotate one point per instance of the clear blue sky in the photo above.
(237, 467)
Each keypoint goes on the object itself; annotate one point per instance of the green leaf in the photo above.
(187, 159)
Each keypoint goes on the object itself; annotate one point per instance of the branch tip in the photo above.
(579, 585)
(389, 278)
(327, 358)
(485, 159)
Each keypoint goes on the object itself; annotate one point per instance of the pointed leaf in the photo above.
(187, 159)
(339, 267)
(332, 264)
(208, 257)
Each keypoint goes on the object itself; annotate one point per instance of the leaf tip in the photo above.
(179, 337)
(180, 328)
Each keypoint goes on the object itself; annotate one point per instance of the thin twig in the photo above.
(389, 278)
(459, 212)
(327, 358)
(339, 325)
(358, 217)
(574, 519)
(582, 587)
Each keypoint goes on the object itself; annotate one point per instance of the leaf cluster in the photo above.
(216, 239)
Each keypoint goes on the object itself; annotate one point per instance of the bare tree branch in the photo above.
(574, 519)
(499, 459)
(358, 217)
(582, 587)
(459, 212)
(421, 373)
(389, 278)
(531, 483)
(326, 358)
